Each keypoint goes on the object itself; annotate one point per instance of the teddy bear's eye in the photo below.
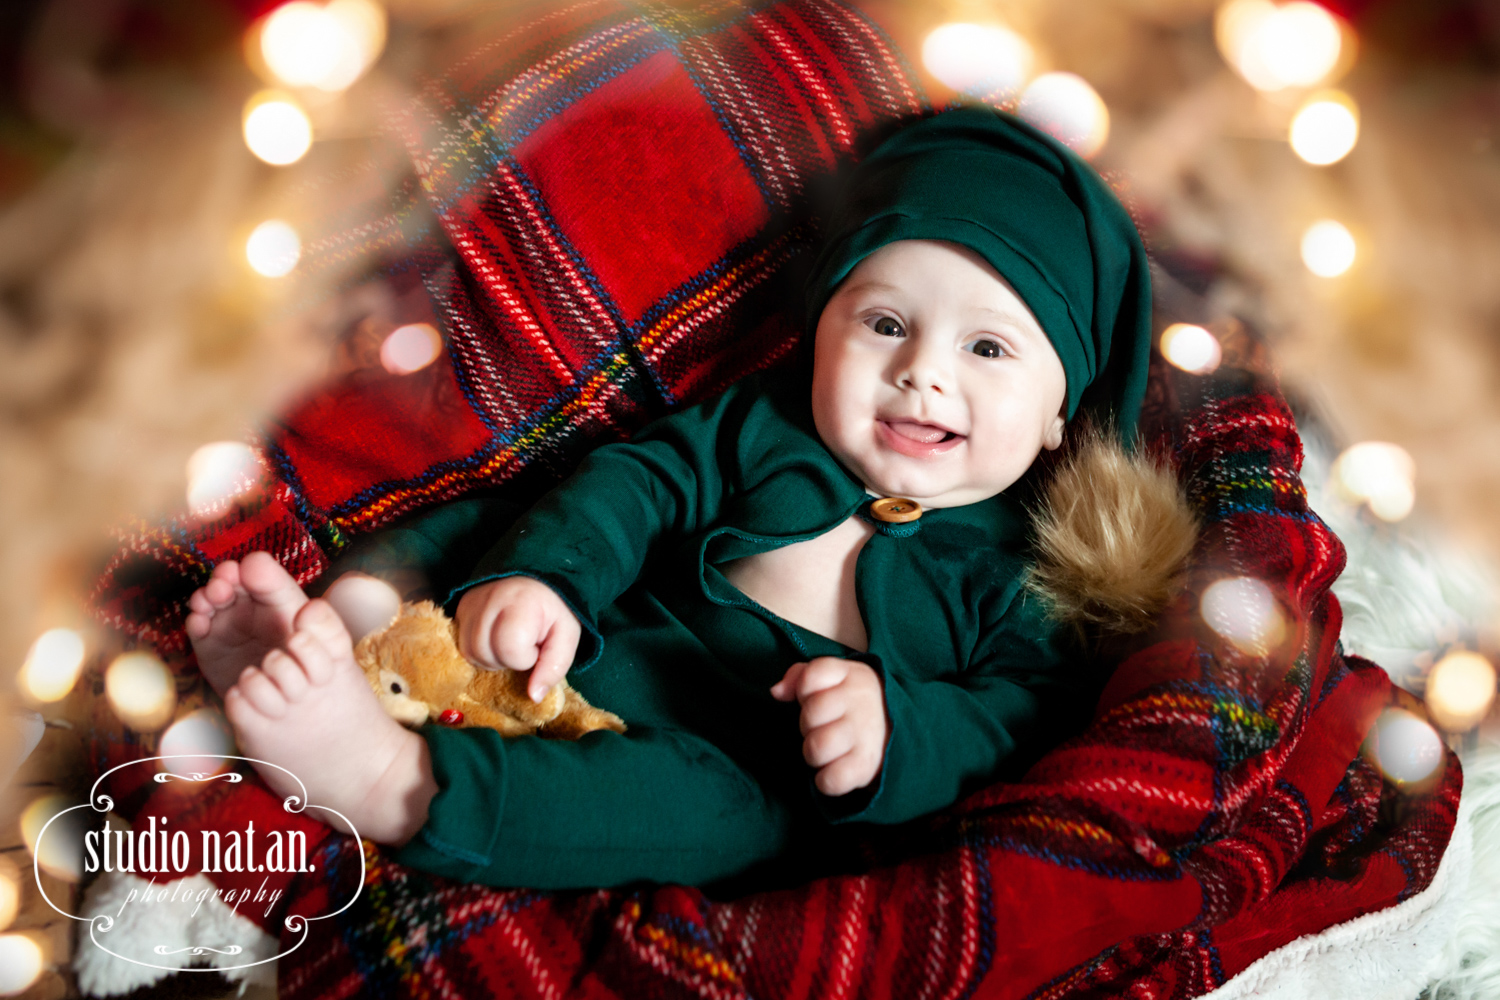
(395, 687)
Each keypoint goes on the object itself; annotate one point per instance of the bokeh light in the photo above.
(218, 471)
(1405, 748)
(1277, 46)
(324, 46)
(981, 59)
(300, 43)
(61, 853)
(1460, 690)
(141, 691)
(277, 129)
(10, 891)
(1244, 611)
(1394, 504)
(365, 603)
(410, 348)
(204, 732)
(1328, 248)
(273, 249)
(21, 963)
(1325, 128)
(52, 665)
(1191, 348)
(1235, 25)
(1067, 108)
(364, 21)
(1380, 474)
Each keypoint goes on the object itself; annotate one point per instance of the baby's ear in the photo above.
(1052, 438)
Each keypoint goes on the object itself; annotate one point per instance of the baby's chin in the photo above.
(930, 491)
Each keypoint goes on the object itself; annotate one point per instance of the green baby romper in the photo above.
(709, 779)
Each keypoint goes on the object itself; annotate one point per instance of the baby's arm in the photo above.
(843, 720)
(585, 541)
(952, 732)
(518, 623)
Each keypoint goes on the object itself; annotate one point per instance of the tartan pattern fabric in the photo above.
(622, 195)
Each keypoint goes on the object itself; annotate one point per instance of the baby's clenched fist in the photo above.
(518, 623)
(843, 720)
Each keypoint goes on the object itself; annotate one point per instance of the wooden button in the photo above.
(895, 510)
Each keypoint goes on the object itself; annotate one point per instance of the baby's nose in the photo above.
(925, 368)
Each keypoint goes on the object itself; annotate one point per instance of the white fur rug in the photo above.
(185, 940)
(1470, 966)
(1444, 941)
(1404, 594)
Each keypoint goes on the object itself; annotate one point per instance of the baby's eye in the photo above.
(886, 326)
(986, 348)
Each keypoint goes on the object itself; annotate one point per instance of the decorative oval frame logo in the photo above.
(102, 923)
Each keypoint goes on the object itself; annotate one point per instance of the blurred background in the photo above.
(1322, 178)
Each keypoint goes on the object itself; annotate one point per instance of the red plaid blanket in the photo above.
(622, 195)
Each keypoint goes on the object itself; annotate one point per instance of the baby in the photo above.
(805, 597)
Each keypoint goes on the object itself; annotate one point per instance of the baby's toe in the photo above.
(197, 624)
(261, 694)
(312, 657)
(219, 593)
(200, 603)
(323, 624)
(228, 571)
(287, 673)
(268, 581)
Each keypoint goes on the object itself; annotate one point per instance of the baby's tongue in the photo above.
(923, 433)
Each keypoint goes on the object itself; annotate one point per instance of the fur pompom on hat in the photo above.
(1114, 532)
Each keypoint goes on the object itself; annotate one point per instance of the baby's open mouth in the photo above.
(921, 433)
(915, 438)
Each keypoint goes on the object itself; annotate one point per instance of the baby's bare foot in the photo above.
(309, 709)
(242, 613)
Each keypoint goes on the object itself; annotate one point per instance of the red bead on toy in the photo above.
(451, 717)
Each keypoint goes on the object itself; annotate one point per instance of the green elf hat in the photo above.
(1039, 214)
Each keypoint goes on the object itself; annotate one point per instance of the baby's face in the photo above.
(932, 379)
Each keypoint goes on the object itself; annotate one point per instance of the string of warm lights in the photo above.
(304, 51)
(21, 958)
(1278, 46)
(303, 48)
(992, 63)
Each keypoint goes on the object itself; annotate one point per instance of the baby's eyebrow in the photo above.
(1001, 313)
(1013, 317)
(871, 286)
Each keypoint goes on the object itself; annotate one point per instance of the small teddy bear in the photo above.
(417, 673)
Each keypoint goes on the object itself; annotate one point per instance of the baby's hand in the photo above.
(843, 720)
(518, 623)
